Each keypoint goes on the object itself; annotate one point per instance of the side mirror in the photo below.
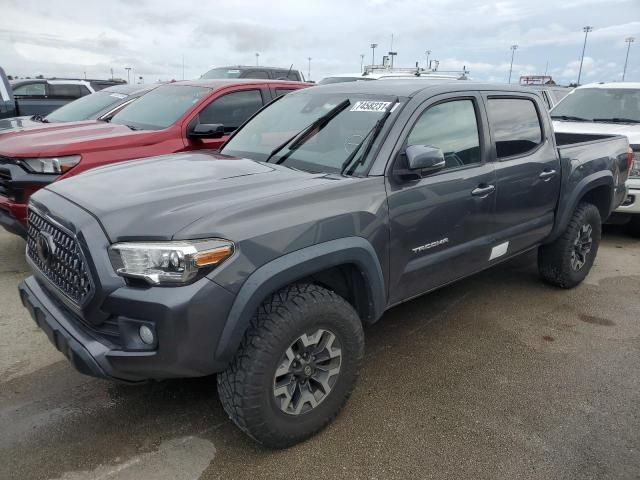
(207, 130)
(426, 158)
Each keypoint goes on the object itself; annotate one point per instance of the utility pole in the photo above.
(112, 74)
(428, 53)
(257, 57)
(309, 71)
(128, 69)
(628, 41)
(513, 52)
(361, 61)
(373, 53)
(546, 68)
(586, 31)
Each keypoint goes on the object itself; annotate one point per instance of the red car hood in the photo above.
(70, 139)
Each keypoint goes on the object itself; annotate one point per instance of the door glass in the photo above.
(30, 90)
(452, 127)
(515, 126)
(65, 91)
(282, 91)
(232, 109)
(256, 74)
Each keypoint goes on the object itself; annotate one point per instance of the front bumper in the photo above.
(187, 321)
(10, 222)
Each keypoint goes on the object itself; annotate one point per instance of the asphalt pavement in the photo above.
(495, 377)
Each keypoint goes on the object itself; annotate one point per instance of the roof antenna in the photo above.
(287, 77)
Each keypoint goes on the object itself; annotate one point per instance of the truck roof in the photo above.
(411, 87)
(225, 82)
(620, 85)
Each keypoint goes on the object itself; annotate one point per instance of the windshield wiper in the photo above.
(131, 127)
(616, 120)
(373, 133)
(299, 138)
(571, 118)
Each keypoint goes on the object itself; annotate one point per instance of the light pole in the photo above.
(309, 72)
(513, 52)
(586, 31)
(428, 53)
(373, 53)
(361, 61)
(628, 41)
(128, 69)
(257, 57)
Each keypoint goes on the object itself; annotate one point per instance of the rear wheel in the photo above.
(296, 366)
(567, 261)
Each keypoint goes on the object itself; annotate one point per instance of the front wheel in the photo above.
(296, 366)
(566, 261)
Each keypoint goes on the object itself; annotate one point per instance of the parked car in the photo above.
(265, 73)
(42, 96)
(327, 208)
(100, 105)
(608, 108)
(7, 102)
(171, 118)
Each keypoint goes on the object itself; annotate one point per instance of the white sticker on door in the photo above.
(499, 250)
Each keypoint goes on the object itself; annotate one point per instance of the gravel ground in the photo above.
(496, 377)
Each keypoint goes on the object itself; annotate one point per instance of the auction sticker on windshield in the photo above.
(370, 106)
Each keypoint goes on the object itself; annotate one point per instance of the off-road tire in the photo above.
(246, 386)
(634, 226)
(554, 259)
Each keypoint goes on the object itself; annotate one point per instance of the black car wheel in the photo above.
(296, 366)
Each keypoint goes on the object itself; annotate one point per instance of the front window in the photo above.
(222, 73)
(616, 105)
(85, 108)
(347, 126)
(30, 90)
(161, 107)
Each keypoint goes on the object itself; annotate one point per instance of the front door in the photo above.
(440, 223)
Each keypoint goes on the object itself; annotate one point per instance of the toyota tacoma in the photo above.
(263, 261)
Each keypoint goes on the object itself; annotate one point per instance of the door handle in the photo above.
(483, 191)
(547, 174)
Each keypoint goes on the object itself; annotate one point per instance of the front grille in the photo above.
(64, 265)
(5, 179)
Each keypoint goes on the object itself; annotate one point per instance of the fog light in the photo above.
(146, 335)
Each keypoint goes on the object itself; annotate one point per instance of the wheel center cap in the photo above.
(307, 370)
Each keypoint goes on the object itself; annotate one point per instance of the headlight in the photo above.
(169, 263)
(55, 165)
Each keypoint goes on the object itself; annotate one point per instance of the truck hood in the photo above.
(70, 139)
(20, 124)
(155, 198)
(632, 131)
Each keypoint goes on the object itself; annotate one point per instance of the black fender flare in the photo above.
(590, 182)
(294, 266)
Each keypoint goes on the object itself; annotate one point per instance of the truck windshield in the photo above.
(85, 108)
(343, 127)
(160, 107)
(222, 73)
(616, 105)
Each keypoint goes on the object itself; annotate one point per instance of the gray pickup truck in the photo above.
(331, 205)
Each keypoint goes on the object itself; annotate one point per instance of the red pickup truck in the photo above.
(172, 118)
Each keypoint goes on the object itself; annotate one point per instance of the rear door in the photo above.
(440, 223)
(62, 93)
(527, 170)
(7, 103)
(230, 109)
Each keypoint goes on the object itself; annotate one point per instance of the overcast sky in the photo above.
(68, 38)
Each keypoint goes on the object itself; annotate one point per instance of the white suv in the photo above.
(607, 108)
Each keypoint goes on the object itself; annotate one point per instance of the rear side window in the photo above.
(453, 128)
(256, 74)
(515, 126)
(31, 90)
(232, 109)
(67, 91)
